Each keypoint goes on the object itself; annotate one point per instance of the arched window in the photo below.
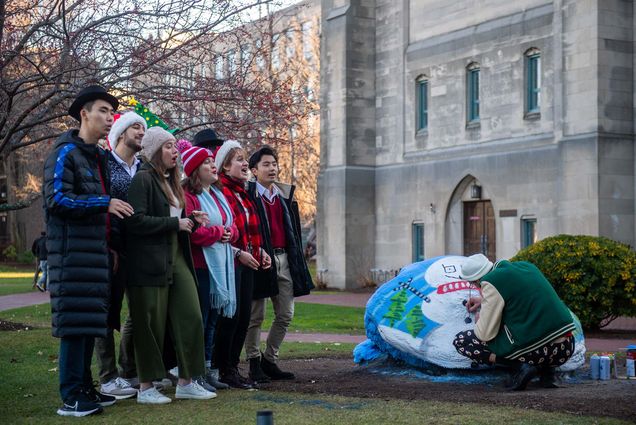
(421, 87)
(533, 80)
(472, 92)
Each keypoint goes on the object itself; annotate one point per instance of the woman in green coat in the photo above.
(162, 288)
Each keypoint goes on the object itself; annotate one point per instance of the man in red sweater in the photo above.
(287, 278)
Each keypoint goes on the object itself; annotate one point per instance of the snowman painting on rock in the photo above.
(415, 317)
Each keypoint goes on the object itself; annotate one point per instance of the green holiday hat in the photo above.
(152, 120)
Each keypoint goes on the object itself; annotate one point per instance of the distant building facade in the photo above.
(455, 127)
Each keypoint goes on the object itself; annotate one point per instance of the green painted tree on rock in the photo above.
(415, 320)
(396, 311)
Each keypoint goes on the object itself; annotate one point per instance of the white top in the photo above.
(268, 194)
(130, 170)
(175, 211)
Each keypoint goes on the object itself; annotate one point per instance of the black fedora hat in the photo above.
(88, 94)
(207, 138)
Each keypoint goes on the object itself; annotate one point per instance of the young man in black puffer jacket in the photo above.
(77, 202)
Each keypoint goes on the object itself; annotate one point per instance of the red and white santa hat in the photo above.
(191, 156)
(121, 124)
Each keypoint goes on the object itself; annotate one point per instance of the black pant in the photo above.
(231, 332)
(550, 355)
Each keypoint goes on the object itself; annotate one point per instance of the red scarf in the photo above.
(245, 216)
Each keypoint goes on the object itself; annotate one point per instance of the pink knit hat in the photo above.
(192, 156)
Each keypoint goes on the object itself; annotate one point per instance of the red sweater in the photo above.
(205, 236)
(275, 218)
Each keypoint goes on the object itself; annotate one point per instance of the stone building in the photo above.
(454, 127)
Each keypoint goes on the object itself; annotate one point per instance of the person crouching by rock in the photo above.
(249, 255)
(522, 324)
(162, 288)
(211, 249)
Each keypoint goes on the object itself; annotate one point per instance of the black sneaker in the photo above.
(272, 370)
(79, 406)
(98, 398)
(548, 378)
(519, 381)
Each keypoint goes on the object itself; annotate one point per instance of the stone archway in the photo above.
(470, 221)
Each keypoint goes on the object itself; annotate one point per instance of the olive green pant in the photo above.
(175, 308)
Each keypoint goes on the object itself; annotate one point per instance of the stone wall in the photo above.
(570, 167)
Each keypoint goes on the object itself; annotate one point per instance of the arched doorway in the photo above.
(470, 220)
(479, 228)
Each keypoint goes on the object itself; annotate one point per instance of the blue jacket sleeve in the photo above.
(59, 189)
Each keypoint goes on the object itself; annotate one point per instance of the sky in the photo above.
(255, 13)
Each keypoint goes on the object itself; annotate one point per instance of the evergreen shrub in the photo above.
(594, 276)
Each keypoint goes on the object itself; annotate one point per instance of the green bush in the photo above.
(10, 253)
(594, 276)
(26, 257)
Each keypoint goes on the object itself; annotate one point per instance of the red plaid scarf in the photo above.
(243, 207)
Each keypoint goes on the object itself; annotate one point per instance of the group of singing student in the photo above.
(181, 231)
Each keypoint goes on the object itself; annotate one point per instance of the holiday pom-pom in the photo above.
(182, 145)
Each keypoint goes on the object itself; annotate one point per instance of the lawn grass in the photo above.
(308, 318)
(15, 285)
(19, 268)
(28, 394)
(16, 279)
(322, 318)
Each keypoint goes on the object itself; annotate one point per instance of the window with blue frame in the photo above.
(533, 81)
(528, 232)
(472, 92)
(422, 104)
(417, 237)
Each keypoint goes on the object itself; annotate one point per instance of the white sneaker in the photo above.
(133, 382)
(152, 396)
(193, 391)
(118, 388)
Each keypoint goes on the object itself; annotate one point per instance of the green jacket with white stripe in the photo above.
(533, 314)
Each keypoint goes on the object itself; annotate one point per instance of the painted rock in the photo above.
(415, 317)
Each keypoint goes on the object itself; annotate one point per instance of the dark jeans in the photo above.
(231, 332)
(75, 365)
(209, 314)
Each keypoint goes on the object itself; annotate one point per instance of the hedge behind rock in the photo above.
(594, 276)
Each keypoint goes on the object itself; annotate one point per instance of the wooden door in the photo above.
(479, 229)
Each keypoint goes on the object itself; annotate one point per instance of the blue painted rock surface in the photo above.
(415, 317)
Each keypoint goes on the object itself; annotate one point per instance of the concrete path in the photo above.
(8, 302)
(345, 299)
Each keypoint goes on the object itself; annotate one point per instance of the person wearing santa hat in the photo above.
(231, 161)
(124, 138)
(211, 247)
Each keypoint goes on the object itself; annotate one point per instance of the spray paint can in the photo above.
(604, 369)
(630, 362)
(595, 364)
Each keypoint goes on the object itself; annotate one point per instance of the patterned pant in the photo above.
(552, 354)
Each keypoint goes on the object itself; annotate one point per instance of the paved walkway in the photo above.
(8, 302)
(352, 299)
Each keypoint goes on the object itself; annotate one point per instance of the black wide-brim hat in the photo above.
(88, 94)
(207, 138)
